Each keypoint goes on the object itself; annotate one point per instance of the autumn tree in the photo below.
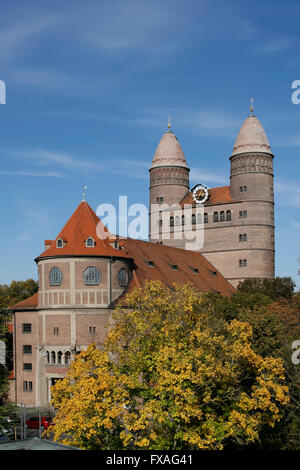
(172, 374)
(275, 322)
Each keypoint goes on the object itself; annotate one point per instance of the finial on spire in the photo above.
(251, 106)
(169, 122)
(83, 194)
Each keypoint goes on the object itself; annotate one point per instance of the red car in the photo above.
(33, 422)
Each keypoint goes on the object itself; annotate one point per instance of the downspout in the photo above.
(15, 352)
(111, 261)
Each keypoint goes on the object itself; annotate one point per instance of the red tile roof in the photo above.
(83, 224)
(219, 195)
(163, 262)
(28, 304)
(151, 261)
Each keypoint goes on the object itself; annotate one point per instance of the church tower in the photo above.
(169, 176)
(251, 183)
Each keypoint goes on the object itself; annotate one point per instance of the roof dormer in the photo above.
(90, 242)
(60, 243)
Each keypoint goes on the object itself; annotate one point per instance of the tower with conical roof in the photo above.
(251, 183)
(237, 220)
(169, 176)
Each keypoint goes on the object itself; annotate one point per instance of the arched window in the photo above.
(222, 216)
(53, 357)
(216, 217)
(67, 357)
(59, 243)
(90, 242)
(193, 218)
(171, 221)
(91, 276)
(59, 357)
(228, 216)
(205, 217)
(55, 277)
(123, 277)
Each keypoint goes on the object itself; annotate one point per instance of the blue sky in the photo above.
(90, 86)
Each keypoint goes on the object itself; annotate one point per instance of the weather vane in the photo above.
(83, 194)
(251, 106)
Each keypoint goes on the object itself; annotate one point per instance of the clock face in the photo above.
(200, 193)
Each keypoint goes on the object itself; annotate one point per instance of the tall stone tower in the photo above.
(169, 176)
(237, 220)
(251, 182)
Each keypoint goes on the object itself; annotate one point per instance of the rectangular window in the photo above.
(27, 366)
(242, 263)
(27, 386)
(92, 329)
(27, 349)
(55, 330)
(243, 237)
(26, 327)
(243, 214)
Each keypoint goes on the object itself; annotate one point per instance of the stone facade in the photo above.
(69, 317)
(236, 222)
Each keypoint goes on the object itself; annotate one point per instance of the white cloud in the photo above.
(283, 193)
(189, 121)
(197, 175)
(51, 174)
(130, 167)
(296, 224)
(274, 46)
(19, 36)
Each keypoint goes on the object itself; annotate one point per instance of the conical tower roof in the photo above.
(84, 223)
(251, 138)
(169, 152)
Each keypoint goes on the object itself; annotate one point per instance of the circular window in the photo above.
(55, 277)
(91, 276)
(123, 277)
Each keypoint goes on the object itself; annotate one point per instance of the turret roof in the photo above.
(84, 223)
(169, 152)
(251, 138)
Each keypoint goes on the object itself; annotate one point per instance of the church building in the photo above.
(82, 277)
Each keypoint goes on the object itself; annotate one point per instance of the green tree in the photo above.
(275, 325)
(15, 292)
(10, 295)
(274, 288)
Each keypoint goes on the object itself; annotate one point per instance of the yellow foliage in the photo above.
(170, 376)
